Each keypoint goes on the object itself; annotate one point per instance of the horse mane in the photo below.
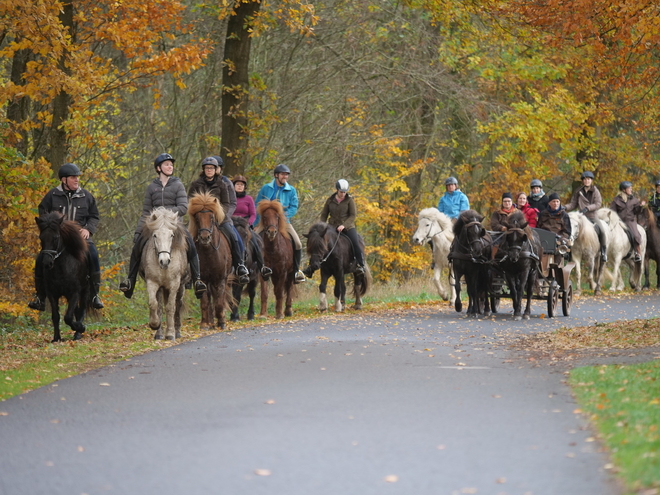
(316, 242)
(69, 232)
(266, 204)
(203, 201)
(162, 217)
(517, 218)
(436, 215)
(464, 218)
(611, 218)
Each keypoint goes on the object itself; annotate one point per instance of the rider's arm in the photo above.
(181, 205)
(231, 196)
(292, 207)
(93, 217)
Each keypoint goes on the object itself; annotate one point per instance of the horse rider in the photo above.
(587, 200)
(78, 205)
(555, 219)
(537, 198)
(245, 208)
(166, 191)
(628, 207)
(212, 181)
(280, 189)
(654, 202)
(340, 212)
(498, 218)
(454, 201)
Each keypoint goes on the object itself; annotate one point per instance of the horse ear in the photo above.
(59, 220)
(306, 236)
(40, 222)
(524, 225)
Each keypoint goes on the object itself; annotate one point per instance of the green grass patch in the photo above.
(623, 402)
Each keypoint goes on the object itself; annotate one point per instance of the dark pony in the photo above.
(65, 272)
(521, 250)
(278, 256)
(206, 215)
(243, 228)
(646, 219)
(332, 252)
(470, 255)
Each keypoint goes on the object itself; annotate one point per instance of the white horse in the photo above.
(165, 270)
(585, 247)
(619, 249)
(436, 226)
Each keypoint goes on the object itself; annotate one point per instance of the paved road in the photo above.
(413, 402)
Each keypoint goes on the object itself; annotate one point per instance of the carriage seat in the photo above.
(548, 240)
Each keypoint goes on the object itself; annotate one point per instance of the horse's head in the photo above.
(163, 225)
(431, 223)
(517, 235)
(475, 237)
(57, 234)
(205, 213)
(317, 246)
(272, 218)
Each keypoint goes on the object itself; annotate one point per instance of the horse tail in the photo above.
(364, 283)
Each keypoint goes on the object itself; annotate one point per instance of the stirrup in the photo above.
(266, 272)
(307, 272)
(243, 274)
(37, 304)
(637, 258)
(603, 257)
(359, 270)
(200, 288)
(299, 277)
(125, 285)
(97, 303)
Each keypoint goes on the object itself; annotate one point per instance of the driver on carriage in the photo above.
(78, 205)
(628, 207)
(212, 181)
(340, 208)
(279, 189)
(555, 219)
(167, 191)
(654, 202)
(587, 200)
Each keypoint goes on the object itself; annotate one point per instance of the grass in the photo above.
(623, 402)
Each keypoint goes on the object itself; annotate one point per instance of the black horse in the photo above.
(647, 220)
(65, 271)
(248, 237)
(519, 257)
(333, 254)
(470, 256)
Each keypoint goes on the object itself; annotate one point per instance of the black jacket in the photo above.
(79, 206)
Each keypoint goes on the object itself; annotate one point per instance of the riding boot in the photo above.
(299, 276)
(601, 241)
(259, 257)
(96, 285)
(237, 257)
(39, 301)
(199, 286)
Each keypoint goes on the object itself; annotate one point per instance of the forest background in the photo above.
(393, 96)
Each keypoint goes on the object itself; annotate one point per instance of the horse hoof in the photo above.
(525, 317)
(158, 337)
(170, 337)
(357, 306)
(77, 336)
(517, 318)
(250, 317)
(222, 326)
(235, 318)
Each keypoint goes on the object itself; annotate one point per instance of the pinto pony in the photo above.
(206, 214)
(332, 253)
(165, 270)
(435, 226)
(278, 256)
(65, 272)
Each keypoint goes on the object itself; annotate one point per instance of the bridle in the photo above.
(204, 229)
(55, 253)
(427, 236)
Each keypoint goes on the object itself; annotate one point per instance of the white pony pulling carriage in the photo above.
(437, 227)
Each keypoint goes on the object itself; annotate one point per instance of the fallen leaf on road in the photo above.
(500, 480)
(270, 401)
(391, 478)
(104, 384)
(262, 472)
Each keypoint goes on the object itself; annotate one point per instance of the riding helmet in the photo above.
(221, 162)
(535, 183)
(68, 169)
(587, 175)
(624, 185)
(657, 182)
(163, 157)
(209, 160)
(239, 178)
(342, 185)
(451, 180)
(281, 169)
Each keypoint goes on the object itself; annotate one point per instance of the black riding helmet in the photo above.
(281, 169)
(221, 162)
(68, 170)
(163, 157)
(625, 185)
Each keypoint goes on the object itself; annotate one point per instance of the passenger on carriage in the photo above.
(280, 189)
(588, 200)
(537, 198)
(498, 218)
(531, 214)
(654, 202)
(212, 181)
(78, 205)
(555, 219)
(454, 201)
(166, 191)
(340, 212)
(627, 207)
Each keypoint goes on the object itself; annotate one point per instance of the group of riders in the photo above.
(166, 190)
(547, 212)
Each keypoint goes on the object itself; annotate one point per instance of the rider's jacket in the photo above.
(79, 206)
(287, 195)
(453, 203)
(582, 199)
(171, 196)
(556, 221)
(343, 213)
(654, 206)
(220, 187)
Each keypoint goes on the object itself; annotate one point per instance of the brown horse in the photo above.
(278, 256)
(646, 219)
(206, 215)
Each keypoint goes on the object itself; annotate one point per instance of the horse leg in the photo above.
(155, 317)
(205, 304)
(170, 310)
(237, 291)
(452, 286)
(252, 292)
(531, 281)
(340, 291)
(288, 308)
(437, 276)
(177, 313)
(55, 318)
(220, 304)
(458, 304)
(70, 317)
(278, 289)
(264, 299)
(323, 299)
(578, 272)
(647, 284)
(515, 284)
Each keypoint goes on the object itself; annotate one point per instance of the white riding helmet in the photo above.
(342, 185)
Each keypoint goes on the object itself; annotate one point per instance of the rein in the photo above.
(55, 253)
(331, 250)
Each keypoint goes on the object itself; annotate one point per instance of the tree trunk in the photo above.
(235, 87)
(17, 110)
(59, 142)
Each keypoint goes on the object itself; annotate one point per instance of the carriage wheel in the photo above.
(567, 300)
(553, 298)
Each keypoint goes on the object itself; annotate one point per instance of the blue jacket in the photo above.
(287, 195)
(453, 203)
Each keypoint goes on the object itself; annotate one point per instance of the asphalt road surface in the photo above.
(422, 401)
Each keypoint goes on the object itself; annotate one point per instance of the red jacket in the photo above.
(531, 214)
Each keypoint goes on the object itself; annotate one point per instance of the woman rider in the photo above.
(340, 212)
(587, 199)
(167, 191)
(628, 207)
